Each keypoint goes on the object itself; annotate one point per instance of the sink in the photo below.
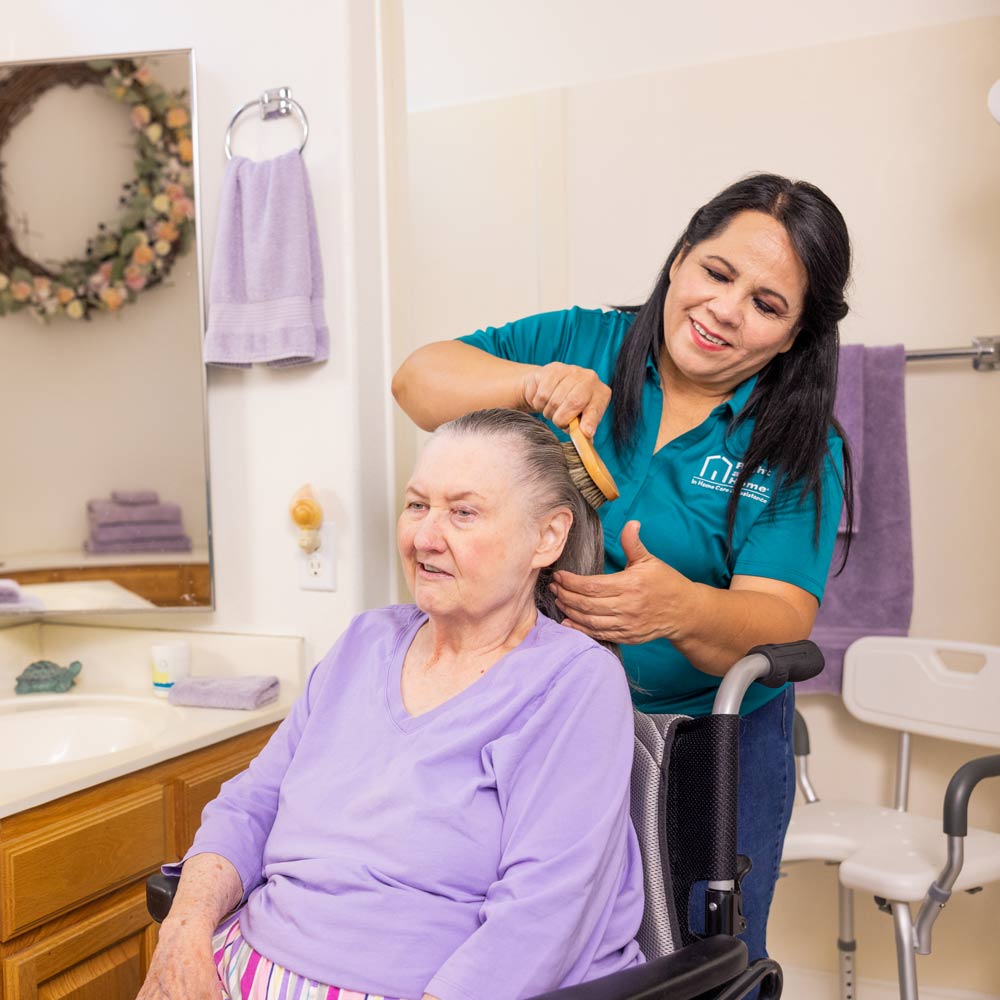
(37, 729)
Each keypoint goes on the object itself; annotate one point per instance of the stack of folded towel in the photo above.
(247, 693)
(13, 600)
(135, 521)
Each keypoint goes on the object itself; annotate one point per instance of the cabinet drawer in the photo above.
(67, 863)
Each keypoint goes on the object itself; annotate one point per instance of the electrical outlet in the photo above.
(318, 569)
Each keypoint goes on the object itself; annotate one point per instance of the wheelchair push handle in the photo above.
(772, 665)
(790, 661)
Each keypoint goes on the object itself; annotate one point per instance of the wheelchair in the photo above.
(683, 804)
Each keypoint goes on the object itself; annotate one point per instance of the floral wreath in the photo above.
(157, 221)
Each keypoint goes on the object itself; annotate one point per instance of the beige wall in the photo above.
(575, 196)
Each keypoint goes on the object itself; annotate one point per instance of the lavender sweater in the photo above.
(480, 851)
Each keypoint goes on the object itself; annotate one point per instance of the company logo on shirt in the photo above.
(719, 473)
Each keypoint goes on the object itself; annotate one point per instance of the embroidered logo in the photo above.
(720, 474)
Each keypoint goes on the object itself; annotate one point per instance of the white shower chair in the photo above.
(905, 684)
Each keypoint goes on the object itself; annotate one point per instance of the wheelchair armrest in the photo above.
(683, 975)
(160, 891)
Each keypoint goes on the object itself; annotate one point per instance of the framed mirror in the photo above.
(102, 385)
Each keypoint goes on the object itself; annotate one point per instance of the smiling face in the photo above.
(470, 547)
(734, 302)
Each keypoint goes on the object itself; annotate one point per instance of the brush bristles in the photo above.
(592, 493)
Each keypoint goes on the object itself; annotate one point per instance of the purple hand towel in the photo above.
(874, 593)
(225, 692)
(13, 600)
(104, 512)
(135, 496)
(10, 591)
(142, 531)
(266, 291)
(179, 543)
(849, 409)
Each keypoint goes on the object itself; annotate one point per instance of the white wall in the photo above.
(272, 431)
(575, 196)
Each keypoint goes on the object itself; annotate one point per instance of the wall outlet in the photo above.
(318, 569)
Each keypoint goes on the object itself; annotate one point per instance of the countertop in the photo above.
(116, 663)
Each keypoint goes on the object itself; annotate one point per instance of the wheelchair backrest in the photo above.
(684, 775)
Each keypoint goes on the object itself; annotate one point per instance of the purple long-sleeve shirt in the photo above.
(479, 851)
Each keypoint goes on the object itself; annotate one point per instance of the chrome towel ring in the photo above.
(275, 103)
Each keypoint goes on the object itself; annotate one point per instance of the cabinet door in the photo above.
(103, 957)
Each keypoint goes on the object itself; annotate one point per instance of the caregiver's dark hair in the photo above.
(545, 478)
(792, 402)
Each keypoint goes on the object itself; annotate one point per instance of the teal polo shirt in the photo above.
(680, 493)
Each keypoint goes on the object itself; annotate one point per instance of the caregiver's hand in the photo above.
(561, 392)
(642, 602)
(182, 967)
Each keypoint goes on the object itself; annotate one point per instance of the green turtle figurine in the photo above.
(44, 675)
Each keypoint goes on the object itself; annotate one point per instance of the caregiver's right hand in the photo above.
(561, 392)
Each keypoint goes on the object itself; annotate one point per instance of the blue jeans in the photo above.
(766, 794)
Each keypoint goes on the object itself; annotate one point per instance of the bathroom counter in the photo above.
(116, 663)
(191, 729)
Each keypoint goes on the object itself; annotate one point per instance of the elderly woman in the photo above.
(445, 812)
(712, 405)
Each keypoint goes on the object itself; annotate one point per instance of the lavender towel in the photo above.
(266, 291)
(225, 692)
(104, 512)
(135, 496)
(14, 601)
(874, 593)
(180, 543)
(142, 531)
(849, 409)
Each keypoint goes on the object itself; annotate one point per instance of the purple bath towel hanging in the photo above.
(874, 593)
(266, 290)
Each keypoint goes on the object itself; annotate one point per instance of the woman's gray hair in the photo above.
(545, 478)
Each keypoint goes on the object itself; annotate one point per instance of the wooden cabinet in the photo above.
(165, 584)
(73, 920)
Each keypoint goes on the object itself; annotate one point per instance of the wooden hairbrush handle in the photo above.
(592, 462)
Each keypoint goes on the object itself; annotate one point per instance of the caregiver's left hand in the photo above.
(640, 603)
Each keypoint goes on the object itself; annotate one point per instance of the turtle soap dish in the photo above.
(44, 675)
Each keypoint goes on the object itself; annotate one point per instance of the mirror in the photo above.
(102, 386)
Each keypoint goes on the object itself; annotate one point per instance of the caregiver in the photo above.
(722, 441)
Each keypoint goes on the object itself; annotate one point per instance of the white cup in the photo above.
(171, 662)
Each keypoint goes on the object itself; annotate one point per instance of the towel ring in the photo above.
(272, 104)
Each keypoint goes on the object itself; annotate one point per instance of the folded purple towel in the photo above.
(266, 290)
(135, 496)
(180, 543)
(109, 512)
(140, 532)
(225, 692)
(10, 591)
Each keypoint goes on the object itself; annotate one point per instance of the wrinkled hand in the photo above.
(182, 967)
(635, 605)
(561, 392)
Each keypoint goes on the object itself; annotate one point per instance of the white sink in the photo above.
(40, 729)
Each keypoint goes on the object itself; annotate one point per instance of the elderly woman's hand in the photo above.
(561, 392)
(640, 603)
(182, 967)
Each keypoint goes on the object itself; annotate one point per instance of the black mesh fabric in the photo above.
(703, 773)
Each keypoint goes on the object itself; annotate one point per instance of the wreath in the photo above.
(157, 219)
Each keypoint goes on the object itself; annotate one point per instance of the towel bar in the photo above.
(275, 103)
